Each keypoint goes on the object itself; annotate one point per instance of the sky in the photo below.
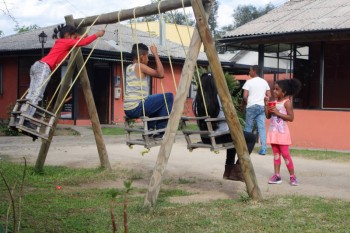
(50, 12)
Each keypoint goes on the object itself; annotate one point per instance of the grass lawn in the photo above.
(120, 131)
(112, 131)
(79, 207)
(315, 154)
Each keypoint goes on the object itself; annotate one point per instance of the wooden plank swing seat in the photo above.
(37, 126)
(144, 135)
(210, 134)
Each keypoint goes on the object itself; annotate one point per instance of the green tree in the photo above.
(1, 33)
(24, 28)
(233, 87)
(170, 17)
(213, 24)
(246, 13)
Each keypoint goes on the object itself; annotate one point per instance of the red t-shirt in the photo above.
(62, 47)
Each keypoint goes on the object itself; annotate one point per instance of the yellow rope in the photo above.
(60, 84)
(161, 81)
(197, 70)
(178, 32)
(81, 23)
(76, 77)
(182, 43)
(167, 48)
(121, 51)
(138, 62)
(48, 78)
(148, 30)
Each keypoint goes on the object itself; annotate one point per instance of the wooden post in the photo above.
(126, 14)
(175, 115)
(225, 97)
(45, 144)
(89, 99)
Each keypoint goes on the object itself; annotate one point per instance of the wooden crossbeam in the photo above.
(142, 11)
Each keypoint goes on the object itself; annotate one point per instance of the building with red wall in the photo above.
(311, 37)
(18, 52)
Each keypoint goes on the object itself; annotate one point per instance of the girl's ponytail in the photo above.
(62, 29)
(290, 86)
(57, 30)
(54, 35)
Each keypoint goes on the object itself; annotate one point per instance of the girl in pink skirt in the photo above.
(278, 133)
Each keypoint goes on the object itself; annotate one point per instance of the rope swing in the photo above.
(147, 141)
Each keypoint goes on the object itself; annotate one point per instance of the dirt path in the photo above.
(202, 168)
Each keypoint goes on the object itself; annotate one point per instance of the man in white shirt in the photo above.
(255, 90)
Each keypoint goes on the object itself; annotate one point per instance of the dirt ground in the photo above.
(199, 172)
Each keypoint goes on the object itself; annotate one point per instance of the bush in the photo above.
(5, 131)
(234, 89)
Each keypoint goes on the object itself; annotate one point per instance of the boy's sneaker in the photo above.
(262, 152)
(294, 181)
(275, 179)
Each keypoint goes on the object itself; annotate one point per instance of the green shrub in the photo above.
(234, 89)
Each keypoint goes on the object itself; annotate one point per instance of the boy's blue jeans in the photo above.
(154, 107)
(256, 113)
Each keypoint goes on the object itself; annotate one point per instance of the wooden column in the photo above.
(45, 145)
(225, 97)
(175, 115)
(89, 99)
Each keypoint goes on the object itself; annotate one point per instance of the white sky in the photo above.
(49, 12)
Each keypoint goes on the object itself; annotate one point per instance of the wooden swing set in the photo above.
(200, 35)
(144, 135)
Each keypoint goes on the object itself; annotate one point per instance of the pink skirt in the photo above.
(275, 137)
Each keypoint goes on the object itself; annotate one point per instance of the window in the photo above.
(336, 80)
(306, 69)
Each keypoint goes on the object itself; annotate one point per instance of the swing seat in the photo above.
(210, 133)
(144, 135)
(37, 126)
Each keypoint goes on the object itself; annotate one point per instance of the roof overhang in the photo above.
(252, 42)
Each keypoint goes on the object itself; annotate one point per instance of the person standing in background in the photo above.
(255, 91)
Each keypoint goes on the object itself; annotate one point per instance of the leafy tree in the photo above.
(227, 28)
(246, 13)
(169, 17)
(213, 24)
(232, 84)
(24, 28)
(6, 12)
(181, 19)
